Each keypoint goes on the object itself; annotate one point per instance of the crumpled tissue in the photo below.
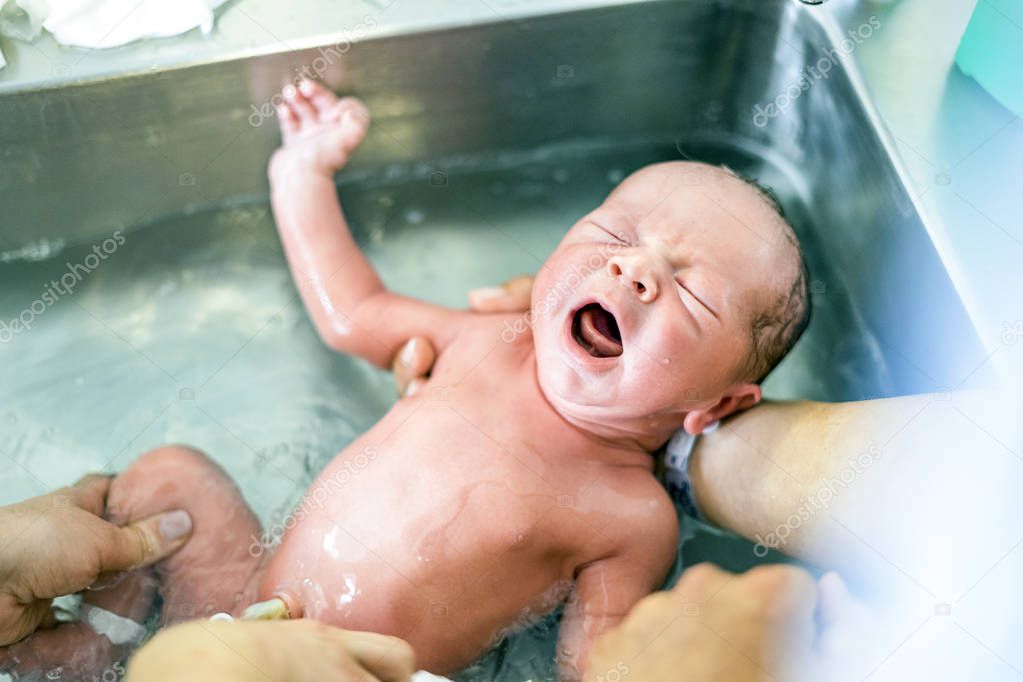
(98, 24)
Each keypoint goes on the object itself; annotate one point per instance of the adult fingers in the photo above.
(701, 582)
(787, 597)
(412, 363)
(27, 621)
(789, 593)
(512, 296)
(88, 493)
(799, 597)
(145, 541)
(388, 658)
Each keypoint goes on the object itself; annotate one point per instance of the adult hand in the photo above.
(57, 544)
(413, 362)
(513, 296)
(288, 651)
(715, 626)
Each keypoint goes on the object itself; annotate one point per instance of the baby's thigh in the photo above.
(212, 572)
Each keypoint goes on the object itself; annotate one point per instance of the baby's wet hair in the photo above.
(775, 330)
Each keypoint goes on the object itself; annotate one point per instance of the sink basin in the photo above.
(488, 142)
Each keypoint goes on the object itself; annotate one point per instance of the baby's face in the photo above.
(643, 312)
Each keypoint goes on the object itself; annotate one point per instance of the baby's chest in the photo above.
(470, 436)
(479, 448)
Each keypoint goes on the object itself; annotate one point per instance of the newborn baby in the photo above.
(521, 476)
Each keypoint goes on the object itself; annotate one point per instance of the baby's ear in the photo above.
(737, 398)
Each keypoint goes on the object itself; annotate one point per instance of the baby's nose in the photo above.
(636, 272)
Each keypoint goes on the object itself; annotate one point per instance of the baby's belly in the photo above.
(439, 546)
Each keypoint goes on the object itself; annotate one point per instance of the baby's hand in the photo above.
(319, 131)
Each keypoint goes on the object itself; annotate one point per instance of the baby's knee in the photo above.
(179, 465)
(177, 458)
(163, 478)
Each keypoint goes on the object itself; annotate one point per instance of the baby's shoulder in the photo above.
(646, 514)
(509, 329)
(492, 335)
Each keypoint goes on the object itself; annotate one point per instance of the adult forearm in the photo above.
(773, 473)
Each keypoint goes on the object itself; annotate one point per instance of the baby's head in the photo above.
(668, 304)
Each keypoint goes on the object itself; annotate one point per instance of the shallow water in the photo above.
(190, 330)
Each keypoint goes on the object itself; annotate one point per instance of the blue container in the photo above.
(991, 50)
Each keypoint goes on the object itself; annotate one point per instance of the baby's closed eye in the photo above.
(685, 288)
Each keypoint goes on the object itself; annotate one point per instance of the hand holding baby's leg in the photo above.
(209, 574)
(319, 131)
(211, 571)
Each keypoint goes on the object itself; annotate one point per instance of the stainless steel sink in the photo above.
(488, 142)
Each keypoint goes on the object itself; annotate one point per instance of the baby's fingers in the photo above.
(353, 107)
(320, 97)
(299, 104)
(287, 120)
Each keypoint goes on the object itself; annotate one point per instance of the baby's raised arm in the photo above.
(349, 305)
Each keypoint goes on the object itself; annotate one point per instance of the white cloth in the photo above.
(98, 24)
(676, 469)
(118, 629)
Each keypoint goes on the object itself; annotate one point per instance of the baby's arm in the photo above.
(606, 589)
(349, 306)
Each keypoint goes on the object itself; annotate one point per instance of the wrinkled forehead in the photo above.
(708, 195)
(702, 208)
(706, 216)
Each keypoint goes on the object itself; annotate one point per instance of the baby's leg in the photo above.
(211, 573)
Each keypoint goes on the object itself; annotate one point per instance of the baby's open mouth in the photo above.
(596, 330)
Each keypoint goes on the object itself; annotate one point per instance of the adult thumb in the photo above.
(147, 540)
(511, 297)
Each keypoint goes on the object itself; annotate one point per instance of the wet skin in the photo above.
(523, 467)
(521, 474)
